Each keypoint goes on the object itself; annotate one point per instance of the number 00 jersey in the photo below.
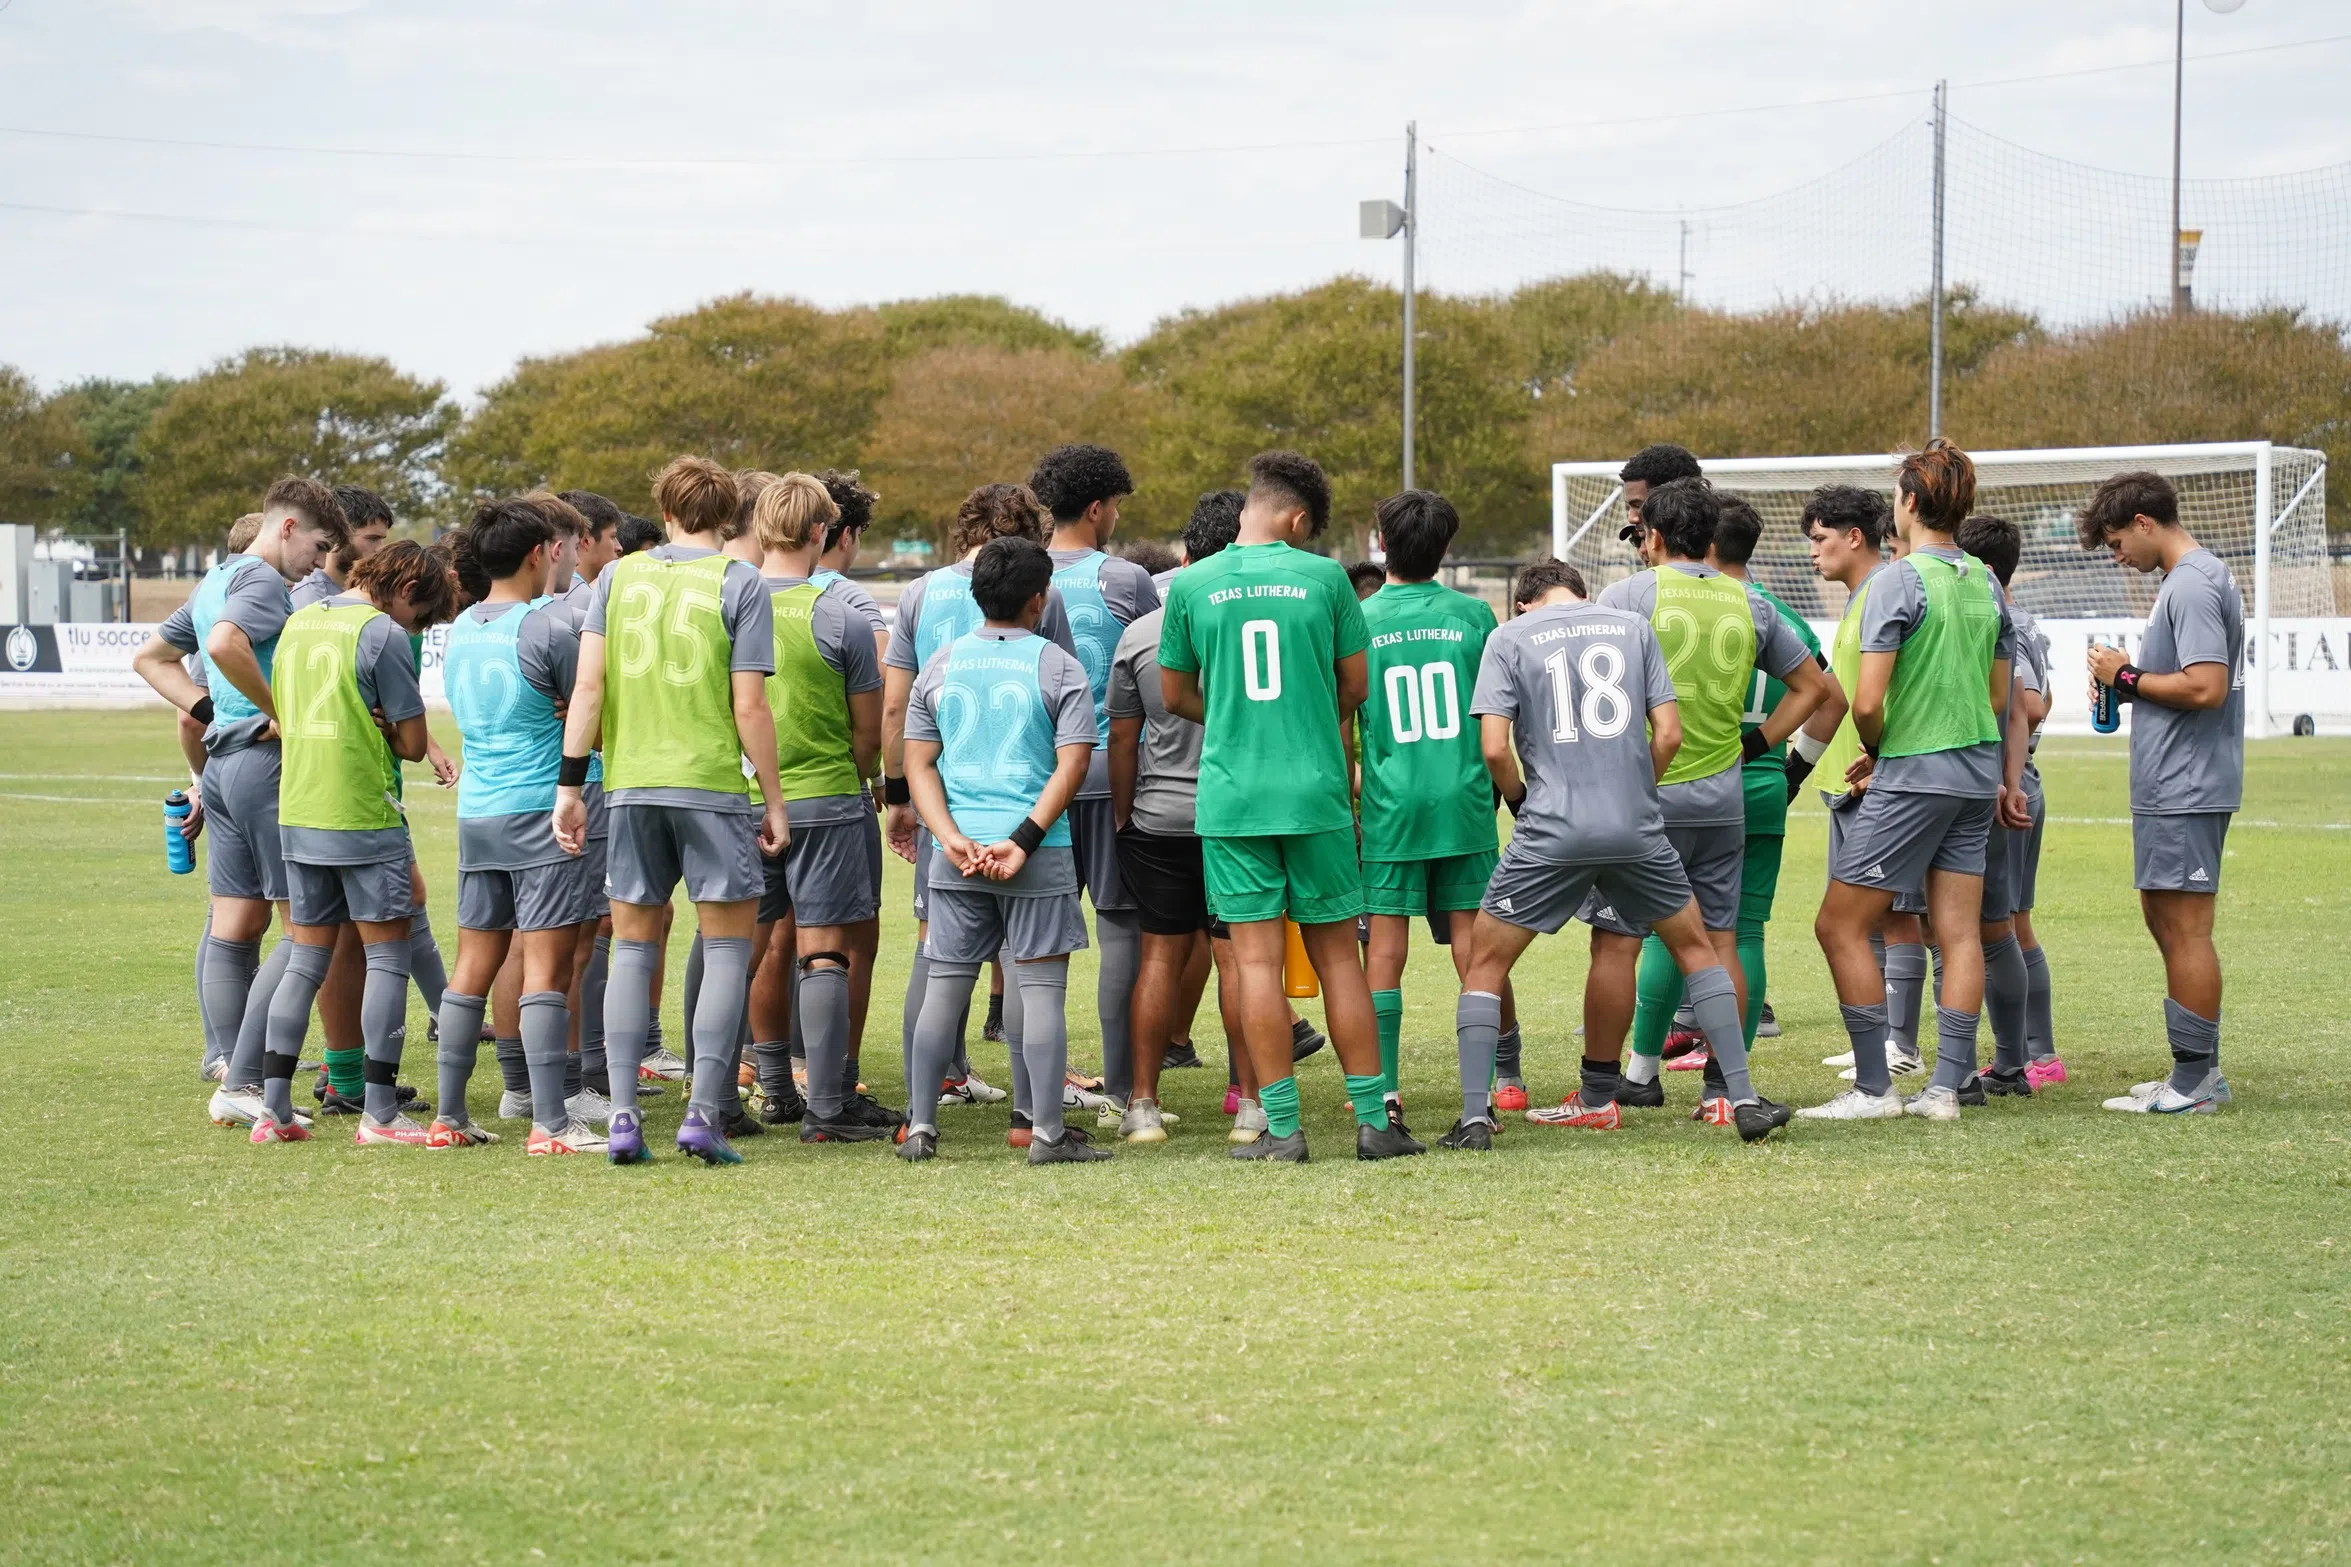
(1263, 625)
(1426, 795)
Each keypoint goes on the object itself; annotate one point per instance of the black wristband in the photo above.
(1517, 805)
(1027, 835)
(2126, 680)
(202, 711)
(1869, 750)
(1752, 745)
(571, 773)
(1798, 770)
(895, 791)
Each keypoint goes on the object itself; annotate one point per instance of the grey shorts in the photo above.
(1714, 860)
(2024, 853)
(537, 897)
(599, 812)
(922, 875)
(243, 857)
(595, 858)
(2178, 853)
(1093, 834)
(972, 927)
(1999, 872)
(331, 894)
(1894, 838)
(652, 847)
(829, 876)
(1624, 896)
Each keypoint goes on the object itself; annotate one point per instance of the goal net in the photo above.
(2260, 507)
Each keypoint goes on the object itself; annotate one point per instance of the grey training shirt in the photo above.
(316, 588)
(1720, 797)
(1897, 607)
(1053, 626)
(257, 604)
(548, 648)
(386, 668)
(1129, 594)
(2185, 763)
(1577, 682)
(1167, 763)
(844, 640)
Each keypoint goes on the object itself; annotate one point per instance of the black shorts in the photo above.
(1163, 876)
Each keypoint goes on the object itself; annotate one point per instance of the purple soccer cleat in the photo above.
(625, 1142)
(702, 1137)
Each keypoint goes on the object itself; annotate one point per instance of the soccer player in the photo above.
(1427, 806)
(1569, 683)
(2187, 696)
(344, 683)
(234, 620)
(1263, 644)
(1935, 644)
(674, 657)
(1080, 486)
(826, 696)
(599, 547)
(1365, 577)
(1716, 632)
(367, 523)
(508, 670)
(999, 733)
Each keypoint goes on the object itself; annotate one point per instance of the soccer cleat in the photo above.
(1112, 1111)
(737, 1120)
(1232, 1100)
(441, 1134)
(2220, 1088)
(2047, 1072)
(1768, 1027)
(1395, 1109)
(513, 1106)
(215, 1070)
(1142, 1122)
(1899, 1063)
(243, 1107)
(862, 1109)
(625, 1141)
(968, 1090)
(1080, 1092)
(2167, 1100)
(1305, 1040)
(1641, 1096)
(1469, 1137)
(577, 1136)
(1845, 1060)
(2008, 1085)
(1181, 1057)
(1020, 1133)
(1680, 1042)
(661, 1065)
(400, 1129)
(982, 1093)
(1854, 1105)
(1069, 1148)
(588, 1105)
(706, 1140)
(1571, 1112)
(782, 1109)
(1280, 1150)
(845, 1130)
(332, 1103)
(1713, 1112)
(271, 1130)
(1386, 1142)
(1933, 1104)
(1689, 1061)
(746, 1074)
(918, 1145)
(993, 1031)
(1248, 1123)
(1510, 1096)
(1971, 1094)
(1757, 1119)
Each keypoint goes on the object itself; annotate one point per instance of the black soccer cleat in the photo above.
(1281, 1150)
(1469, 1137)
(1181, 1058)
(1386, 1142)
(1069, 1148)
(865, 1110)
(2008, 1084)
(1396, 1117)
(736, 1121)
(1641, 1096)
(783, 1109)
(844, 1130)
(1972, 1092)
(915, 1147)
(1305, 1040)
(332, 1103)
(1759, 1118)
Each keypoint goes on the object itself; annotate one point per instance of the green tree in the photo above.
(40, 450)
(913, 326)
(112, 416)
(210, 451)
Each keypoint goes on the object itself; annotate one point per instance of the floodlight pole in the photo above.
(1935, 285)
(2179, 78)
(1411, 238)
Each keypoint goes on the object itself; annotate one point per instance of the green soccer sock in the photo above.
(343, 1072)
(1370, 1097)
(1387, 1009)
(1657, 995)
(1751, 965)
(1279, 1101)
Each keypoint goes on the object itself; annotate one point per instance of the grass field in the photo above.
(2046, 1334)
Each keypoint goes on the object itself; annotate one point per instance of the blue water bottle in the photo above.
(177, 850)
(2105, 708)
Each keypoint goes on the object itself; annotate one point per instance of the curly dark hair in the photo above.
(405, 568)
(1839, 508)
(2121, 497)
(848, 491)
(1659, 464)
(1683, 512)
(1215, 523)
(362, 507)
(996, 511)
(1540, 578)
(1295, 478)
(1070, 478)
(636, 533)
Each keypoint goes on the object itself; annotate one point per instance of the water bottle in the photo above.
(1298, 977)
(178, 852)
(2105, 708)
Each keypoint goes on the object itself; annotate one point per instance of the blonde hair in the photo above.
(791, 510)
(243, 532)
(560, 513)
(749, 482)
(699, 493)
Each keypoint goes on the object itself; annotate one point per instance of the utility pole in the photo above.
(1411, 238)
(1681, 289)
(1935, 284)
(2179, 79)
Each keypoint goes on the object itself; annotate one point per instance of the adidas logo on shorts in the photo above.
(2198, 874)
(1875, 872)
(1505, 905)
(1607, 912)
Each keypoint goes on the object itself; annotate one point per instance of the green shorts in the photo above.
(1759, 883)
(1413, 887)
(1311, 877)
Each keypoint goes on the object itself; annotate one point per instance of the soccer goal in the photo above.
(2260, 507)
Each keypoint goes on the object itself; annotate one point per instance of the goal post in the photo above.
(2260, 507)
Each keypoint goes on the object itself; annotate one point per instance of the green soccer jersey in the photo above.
(669, 707)
(1766, 778)
(339, 775)
(1426, 795)
(1262, 625)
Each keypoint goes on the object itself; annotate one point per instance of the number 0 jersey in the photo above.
(1263, 626)
(1425, 794)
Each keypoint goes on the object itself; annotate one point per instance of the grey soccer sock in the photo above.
(628, 1004)
(574, 1075)
(546, 1021)
(1597, 1082)
(2005, 1000)
(514, 1068)
(461, 1038)
(772, 1060)
(1477, 1022)
(592, 1012)
(225, 971)
(2040, 1039)
(1118, 933)
(1044, 1043)
(1714, 1003)
(2195, 1045)
(289, 1020)
(1935, 964)
(946, 992)
(1906, 980)
(1015, 1020)
(718, 1014)
(1955, 1033)
(253, 1029)
(1509, 1064)
(383, 1024)
(730, 1087)
(918, 989)
(690, 1000)
(1865, 1026)
(1877, 951)
(824, 1024)
(424, 962)
(203, 950)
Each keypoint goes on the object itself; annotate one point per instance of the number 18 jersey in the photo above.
(1425, 791)
(1262, 625)
(1577, 682)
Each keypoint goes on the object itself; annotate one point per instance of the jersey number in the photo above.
(1261, 640)
(1605, 707)
(1423, 703)
(325, 666)
(640, 641)
(1723, 645)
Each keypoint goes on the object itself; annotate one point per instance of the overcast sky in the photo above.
(541, 176)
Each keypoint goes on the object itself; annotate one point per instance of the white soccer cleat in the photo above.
(243, 1107)
(513, 1106)
(2217, 1083)
(1249, 1123)
(2163, 1099)
(588, 1105)
(1854, 1105)
(1933, 1104)
(215, 1070)
(980, 1093)
(1142, 1123)
(1845, 1060)
(661, 1065)
(1899, 1063)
